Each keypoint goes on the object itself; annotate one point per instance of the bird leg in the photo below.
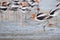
(44, 28)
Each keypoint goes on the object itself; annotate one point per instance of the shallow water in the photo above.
(13, 29)
(48, 4)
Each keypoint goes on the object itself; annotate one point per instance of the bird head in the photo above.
(38, 1)
(24, 4)
(5, 3)
(34, 16)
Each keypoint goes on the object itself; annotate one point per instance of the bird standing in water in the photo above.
(43, 16)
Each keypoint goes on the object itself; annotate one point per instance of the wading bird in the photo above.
(41, 17)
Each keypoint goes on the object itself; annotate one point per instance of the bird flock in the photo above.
(26, 6)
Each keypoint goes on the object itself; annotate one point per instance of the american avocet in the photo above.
(33, 3)
(3, 9)
(3, 6)
(14, 6)
(24, 6)
(54, 12)
(44, 17)
(25, 11)
(40, 17)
